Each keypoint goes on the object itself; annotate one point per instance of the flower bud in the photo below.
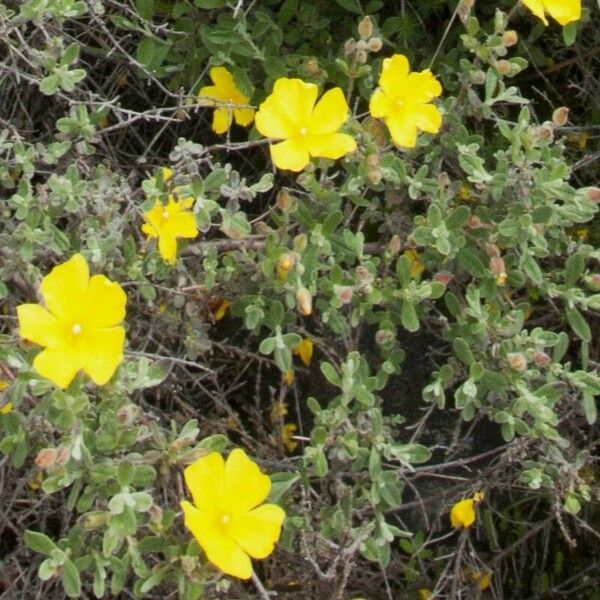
(345, 293)
(498, 269)
(384, 337)
(510, 38)
(156, 513)
(361, 46)
(375, 44)
(63, 454)
(45, 458)
(478, 77)
(541, 359)
(374, 176)
(94, 520)
(300, 243)
(312, 66)
(284, 201)
(361, 57)
(365, 27)
(304, 301)
(284, 265)
(593, 282)
(127, 414)
(593, 194)
(503, 67)
(560, 116)
(443, 179)
(395, 245)
(372, 160)
(517, 361)
(544, 133)
(349, 46)
(443, 277)
(474, 222)
(363, 275)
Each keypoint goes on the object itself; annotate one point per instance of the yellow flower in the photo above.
(226, 518)
(308, 130)
(462, 514)
(168, 223)
(403, 100)
(225, 90)
(483, 579)
(424, 594)
(79, 327)
(4, 410)
(305, 350)
(36, 481)
(563, 11)
(278, 411)
(287, 431)
(221, 309)
(416, 266)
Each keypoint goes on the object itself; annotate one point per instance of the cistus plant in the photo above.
(316, 286)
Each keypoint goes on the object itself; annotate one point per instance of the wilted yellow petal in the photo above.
(462, 514)
(305, 350)
(288, 377)
(287, 431)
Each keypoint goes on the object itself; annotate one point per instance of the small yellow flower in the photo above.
(225, 518)
(464, 193)
(483, 579)
(305, 351)
(225, 90)
(563, 11)
(416, 266)
(36, 481)
(287, 431)
(80, 326)
(462, 514)
(221, 309)
(168, 223)
(424, 594)
(4, 410)
(308, 129)
(403, 100)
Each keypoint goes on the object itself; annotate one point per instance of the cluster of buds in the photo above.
(359, 50)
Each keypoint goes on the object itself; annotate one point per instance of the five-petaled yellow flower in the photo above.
(563, 11)
(308, 129)
(225, 90)
(226, 518)
(403, 100)
(171, 221)
(462, 514)
(80, 325)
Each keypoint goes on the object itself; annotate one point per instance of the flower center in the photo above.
(303, 131)
(225, 519)
(165, 214)
(76, 329)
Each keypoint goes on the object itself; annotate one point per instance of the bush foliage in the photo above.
(386, 334)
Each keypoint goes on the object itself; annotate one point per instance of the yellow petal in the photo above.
(537, 8)
(563, 11)
(422, 88)
(7, 408)
(330, 145)
(220, 549)
(291, 154)
(221, 310)
(245, 486)
(224, 81)
(379, 104)
(330, 113)
(394, 72)
(462, 514)
(222, 118)
(59, 364)
(243, 116)
(37, 325)
(204, 479)
(272, 122)
(105, 303)
(210, 92)
(296, 98)
(167, 248)
(181, 225)
(426, 117)
(149, 230)
(102, 353)
(65, 287)
(403, 132)
(257, 531)
(305, 350)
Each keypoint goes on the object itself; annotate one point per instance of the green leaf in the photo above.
(350, 5)
(408, 316)
(578, 324)
(38, 542)
(588, 402)
(71, 580)
(145, 8)
(469, 260)
(458, 217)
(210, 4)
(280, 484)
(574, 268)
(330, 374)
(462, 351)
